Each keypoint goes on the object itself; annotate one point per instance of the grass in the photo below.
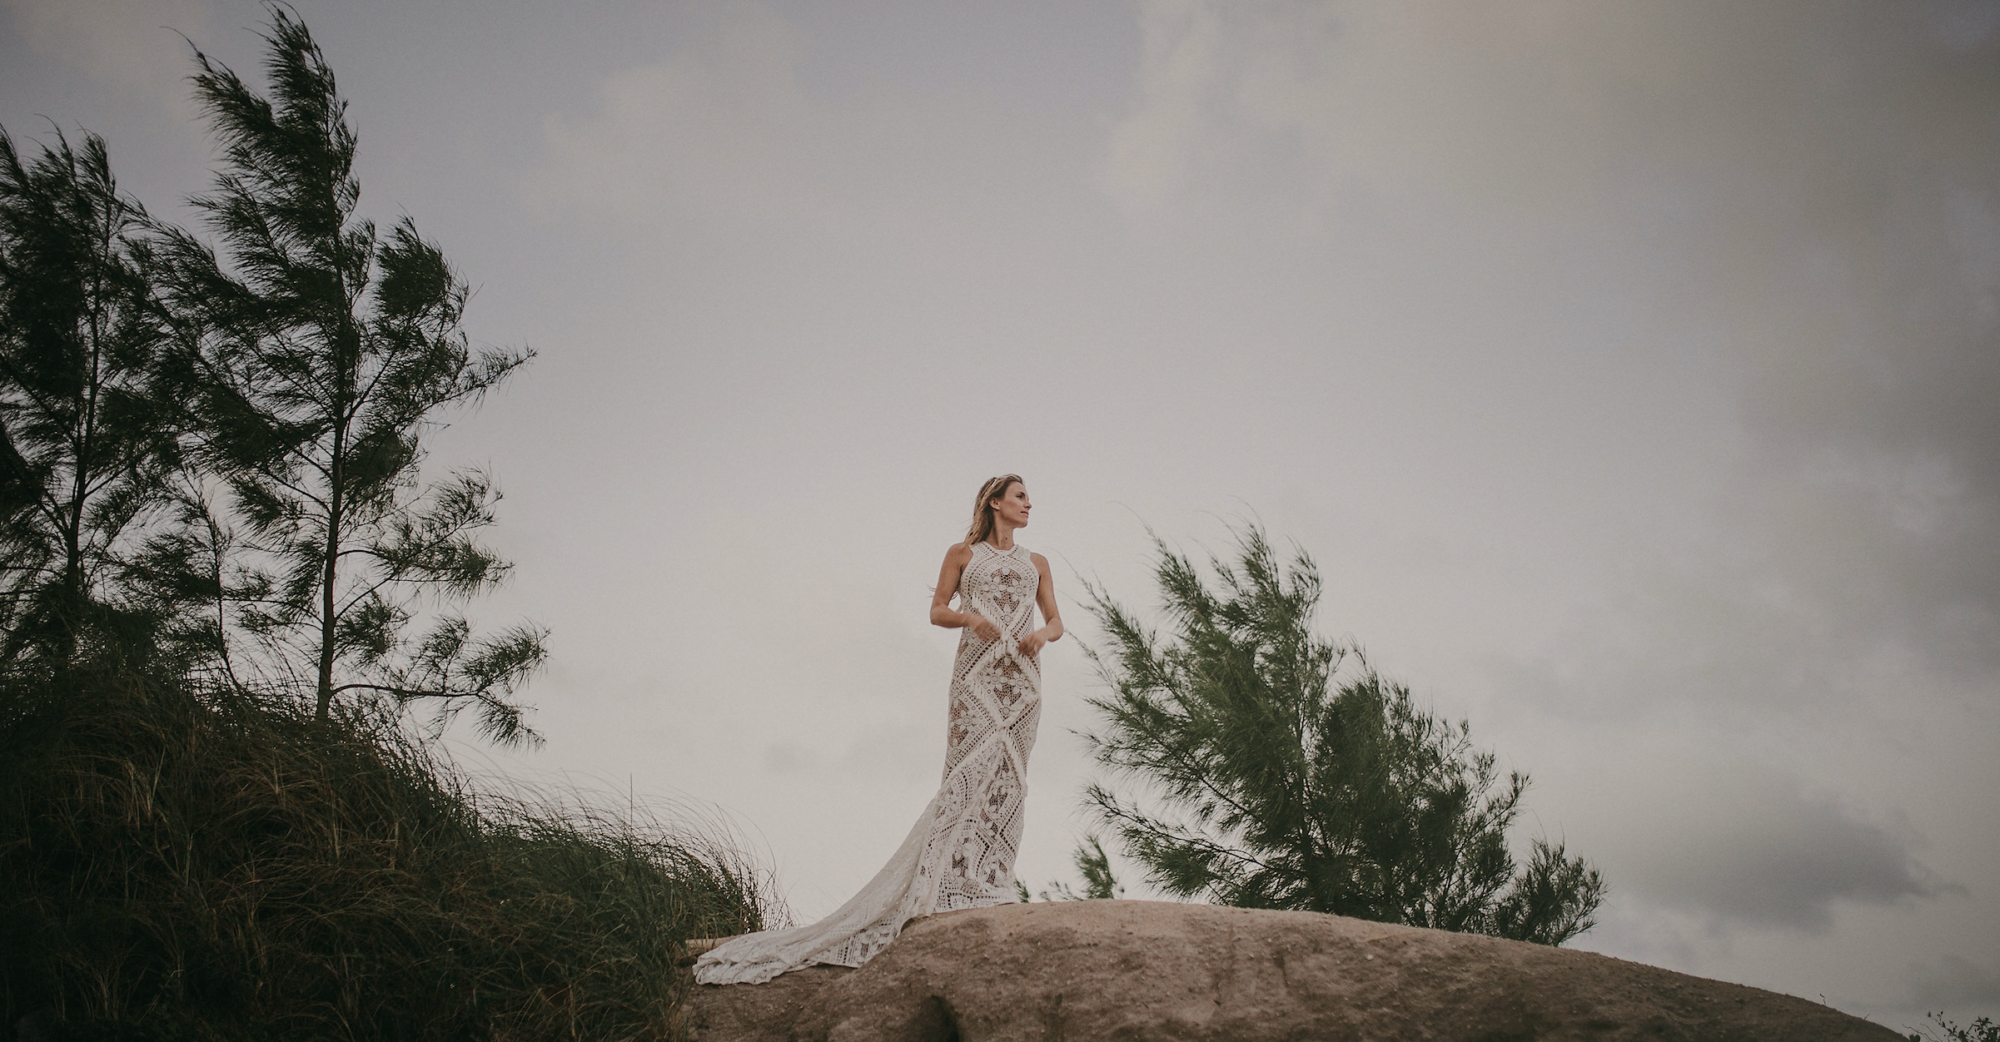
(174, 866)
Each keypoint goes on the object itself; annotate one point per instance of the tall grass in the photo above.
(211, 867)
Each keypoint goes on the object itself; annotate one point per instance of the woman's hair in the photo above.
(982, 507)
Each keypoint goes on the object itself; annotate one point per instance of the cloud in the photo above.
(1817, 188)
(719, 126)
(1790, 865)
(1557, 104)
(1742, 845)
(131, 43)
(1955, 985)
(1148, 151)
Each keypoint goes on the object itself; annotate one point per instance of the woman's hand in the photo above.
(1031, 645)
(981, 626)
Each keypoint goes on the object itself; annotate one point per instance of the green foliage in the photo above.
(314, 360)
(85, 445)
(1288, 774)
(1099, 884)
(1982, 1030)
(1095, 865)
(224, 868)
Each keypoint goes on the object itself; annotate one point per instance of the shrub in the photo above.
(213, 867)
(1982, 1030)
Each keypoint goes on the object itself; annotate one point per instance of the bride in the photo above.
(961, 852)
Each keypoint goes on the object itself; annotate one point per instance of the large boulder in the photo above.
(1138, 970)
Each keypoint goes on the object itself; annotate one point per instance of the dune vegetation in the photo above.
(214, 866)
(231, 630)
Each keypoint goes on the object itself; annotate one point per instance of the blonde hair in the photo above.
(982, 507)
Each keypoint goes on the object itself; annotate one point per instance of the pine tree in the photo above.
(85, 440)
(322, 351)
(1288, 774)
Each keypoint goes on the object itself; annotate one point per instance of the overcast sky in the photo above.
(1630, 369)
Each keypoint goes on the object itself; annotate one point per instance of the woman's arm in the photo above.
(1045, 599)
(955, 560)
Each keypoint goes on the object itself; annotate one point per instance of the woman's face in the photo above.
(1012, 507)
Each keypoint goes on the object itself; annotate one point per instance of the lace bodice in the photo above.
(1001, 585)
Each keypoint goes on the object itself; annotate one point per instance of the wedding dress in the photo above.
(961, 852)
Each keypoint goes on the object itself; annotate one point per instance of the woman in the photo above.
(961, 852)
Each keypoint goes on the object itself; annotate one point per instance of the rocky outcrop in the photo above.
(1141, 970)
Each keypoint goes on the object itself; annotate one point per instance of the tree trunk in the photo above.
(332, 551)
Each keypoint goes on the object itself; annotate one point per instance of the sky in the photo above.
(1628, 369)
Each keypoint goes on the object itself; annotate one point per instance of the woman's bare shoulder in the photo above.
(959, 552)
(1041, 563)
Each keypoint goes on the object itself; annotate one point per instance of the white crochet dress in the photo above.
(961, 852)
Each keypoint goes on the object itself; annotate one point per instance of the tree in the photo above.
(319, 356)
(85, 440)
(1099, 884)
(1288, 774)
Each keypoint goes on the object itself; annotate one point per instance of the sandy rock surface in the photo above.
(1141, 970)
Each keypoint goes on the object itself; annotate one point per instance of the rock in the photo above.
(757, 1011)
(1139, 970)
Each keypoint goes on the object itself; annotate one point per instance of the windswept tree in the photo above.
(1283, 772)
(85, 442)
(323, 349)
